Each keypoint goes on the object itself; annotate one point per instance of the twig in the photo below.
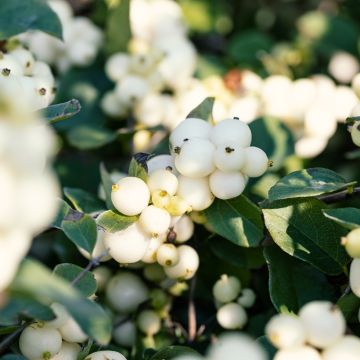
(339, 196)
(346, 292)
(205, 325)
(92, 263)
(11, 337)
(192, 326)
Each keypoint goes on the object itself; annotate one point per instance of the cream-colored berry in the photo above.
(72, 332)
(229, 157)
(231, 316)
(352, 243)
(149, 322)
(184, 229)
(227, 185)
(154, 221)
(226, 289)
(163, 179)
(167, 255)
(256, 162)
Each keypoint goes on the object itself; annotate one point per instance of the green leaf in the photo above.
(249, 258)
(349, 217)
(306, 183)
(138, 167)
(113, 221)
(80, 229)
(274, 138)
(86, 350)
(300, 229)
(13, 357)
(63, 111)
(64, 209)
(107, 184)
(35, 280)
(171, 352)
(118, 29)
(349, 305)
(86, 285)
(83, 200)
(238, 220)
(203, 110)
(22, 307)
(267, 346)
(293, 283)
(18, 16)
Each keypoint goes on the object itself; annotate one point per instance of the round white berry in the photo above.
(149, 322)
(196, 192)
(187, 265)
(99, 248)
(285, 331)
(61, 316)
(231, 130)
(163, 180)
(150, 254)
(184, 229)
(125, 292)
(226, 289)
(39, 342)
(25, 58)
(125, 333)
(355, 133)
(127, 246)
(102, 276)
(154, 221)
(352, 243)
(188, 129)
(229, 157)
(354, 277)
(105, 354)
(117, 66)
(231, 316)
(72, 332)
(165, 162)
(131, 89)
(195, 159)
(112, 106)
(298, 353)
(177, 206)
(160, 198)
(347, 348)
(323, 322)
(130, 195)
(227, 185)
(167, 255)
(9, 66)
(256, 162)
(247, 298)
(68, 351)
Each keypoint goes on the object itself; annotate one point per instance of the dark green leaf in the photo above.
(249, 258)
(306, 183)
(107, 184)
(113, 221)
(59, 112)
(19, 307)
(171, 352)
(349, 217)
(349, 305)
(238, 220)
(13, 357)
(203, 110)
(83, 200)
(80, 229)
(18, 16)
(300, 229)
(64, 209)
(274, 138)
(86, 285)
(293, 283)
(267, 346)
(35, 280)
(138, 169)
(118, 30)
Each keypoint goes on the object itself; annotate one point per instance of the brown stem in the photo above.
(192, 326)
(339, 196)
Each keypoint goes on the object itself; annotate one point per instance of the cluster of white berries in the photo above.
(214, 161)
(231, 301)
(318, 332)
(32, 78)
(28, 187)
(82, 40)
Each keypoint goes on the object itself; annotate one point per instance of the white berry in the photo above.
(355, 133)
(154, 221)
(167, 255)
(231, 316)
(125, 292)
(323, 322)
(227, 185)
(231, 130)
(184, 229)
(298, 353)
(187, 265)
(177, 206)
(117, 66)
(347, 348)
(127, 246)
(150, 254)
(163, 180)
(125, 334)
(247, 298)
(149, 322)
(352, 243)
(165, 162)
(354, 277)
(68, 351)
(61, 316)
(195, 159)
(256, 162)
(72, 332)
(196, 192)
(285, 331)
(226, 289)
(229, 157)
(99, 248)
(40, 342)
(106, 354)
(130, 195)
